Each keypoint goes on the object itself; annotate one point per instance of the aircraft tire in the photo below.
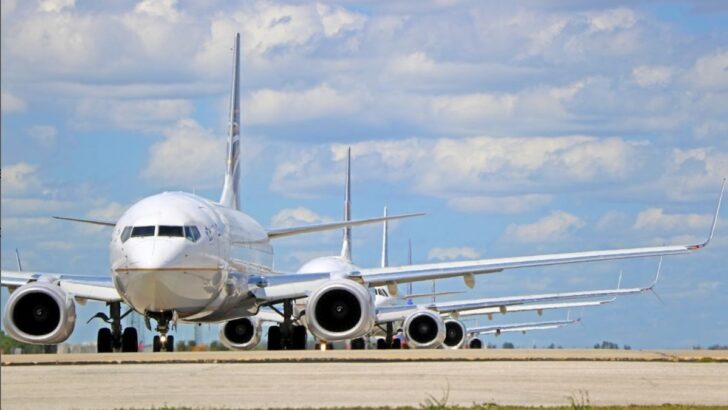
(300, 336)
(130, 340)
(169, 346)
(382, 344)
(358, 344)
(104, 341)
(476, 344)
(156, 344)
(396, 344)
(274, 338)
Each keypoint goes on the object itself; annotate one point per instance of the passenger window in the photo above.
(176, 231)
(142, 231)
(125, 234)
(192, 233)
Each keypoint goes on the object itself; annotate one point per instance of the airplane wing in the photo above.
(82, 287)
(519, 327)
(274, 233)
(503, 304)
(391, 276)
(537, 307)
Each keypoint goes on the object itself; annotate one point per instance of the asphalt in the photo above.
(355, 383)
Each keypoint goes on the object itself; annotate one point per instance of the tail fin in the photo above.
(346, 246)
(231, 188)
(385, 240)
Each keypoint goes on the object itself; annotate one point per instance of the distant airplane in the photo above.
(177, 257)
(474, 332)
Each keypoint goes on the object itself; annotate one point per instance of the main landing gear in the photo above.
(162, 342)
(113, 339)
(287, 336)
(389, 342)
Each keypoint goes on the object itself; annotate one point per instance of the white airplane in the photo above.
(432, 320)
(178, 257)
(497, 330)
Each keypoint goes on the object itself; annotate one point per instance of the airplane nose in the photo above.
(160, 254)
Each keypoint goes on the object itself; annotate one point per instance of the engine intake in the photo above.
(424, 330)
(241, 334)
(40, 313)
(340, 310)
(454, 334)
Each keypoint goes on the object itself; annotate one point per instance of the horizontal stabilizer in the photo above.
(87, 221)
(275, 233)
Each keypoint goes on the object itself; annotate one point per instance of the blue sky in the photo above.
(519, 128)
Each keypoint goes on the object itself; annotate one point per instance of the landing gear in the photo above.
(476, 344)
(382, 344)
(387, 342)
(287, 336)
(162, 342)
(112, 339)
(358, 344)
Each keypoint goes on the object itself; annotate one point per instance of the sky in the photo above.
(519, 127)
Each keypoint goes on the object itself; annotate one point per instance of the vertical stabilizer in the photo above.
(346, 246)
(385, 240)
(231, 188)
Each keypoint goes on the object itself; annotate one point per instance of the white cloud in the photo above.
(109, 212)
(337, 19)
(11, 103)
(499, 205)
(445, 254)
(189, 156)
(611, 20)
(556, 226)
(19, 178)
(144, 115)
(297, 216)
(647, 76)
(45, 135)
(657, 219)
(271, 106)
(711, 71)
(55, 6)
(158, 8)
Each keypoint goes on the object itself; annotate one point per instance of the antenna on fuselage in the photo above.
(231, 187)
(346, 245)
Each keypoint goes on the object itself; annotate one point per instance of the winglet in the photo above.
(715, 221)
(657, 275)
(17, 259)
(619, 281)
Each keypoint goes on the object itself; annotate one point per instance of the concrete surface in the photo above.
(261, 356)
(353, 383)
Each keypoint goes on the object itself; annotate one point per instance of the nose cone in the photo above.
(162, 274)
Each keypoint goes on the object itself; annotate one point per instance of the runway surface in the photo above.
(347, 383)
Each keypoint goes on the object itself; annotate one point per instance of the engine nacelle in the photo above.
(454, 334)
(40, 313)
(340, 310)
(424, 329)
(241, 334)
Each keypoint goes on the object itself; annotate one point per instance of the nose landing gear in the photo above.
(162, 342)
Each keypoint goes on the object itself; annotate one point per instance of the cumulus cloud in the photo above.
(647, 76)
(144, 115)
(20, 178)
(188, 156)
(711, 71)
(453, 253)
(499, 205)
(271, 106)
(556, 226)
(297, 216)
(54, 6)
(657, 219)
(11, 103)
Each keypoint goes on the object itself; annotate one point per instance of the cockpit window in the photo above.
(125, 234)
(171, 231)
(142, 231)
(192, 233)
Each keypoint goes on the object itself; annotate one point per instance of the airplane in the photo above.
(497, 330)
(177, 257)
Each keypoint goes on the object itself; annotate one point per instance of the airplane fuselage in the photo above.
(180, 253)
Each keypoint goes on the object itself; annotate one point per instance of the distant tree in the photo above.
(718, 347)
(492, 346)
(552, 346)
(217, 346)
(597, 346)
(508, 345)
(627, 347)
(8, 345)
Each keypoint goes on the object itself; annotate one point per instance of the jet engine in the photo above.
(454, 334)
(340, 310)
(241, 334)
(424, 329)
(40, 313)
